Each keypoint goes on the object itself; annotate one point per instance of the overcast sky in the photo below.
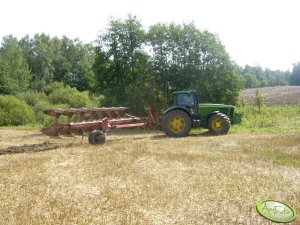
(254, 32)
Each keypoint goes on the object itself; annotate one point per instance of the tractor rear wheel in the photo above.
(218, 124)
(96, 137)
(176, 123)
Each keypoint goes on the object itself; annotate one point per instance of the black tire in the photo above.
(176, 123)
(96, 137)
(218, 124)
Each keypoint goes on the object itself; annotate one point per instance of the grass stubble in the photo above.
(148, 178)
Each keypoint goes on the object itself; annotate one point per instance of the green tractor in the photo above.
(186, 112)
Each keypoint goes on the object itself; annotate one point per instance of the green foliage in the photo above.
(97, 100)
(6, 86)
(186, 58)
(259, 100)
(73, 64)
(14, 72)
(58, 93)
(271, 119)
(58, 96)
(32, 97)
(255, 76)
(182, 57)
(62, 60)
(130, 66)
(295, 78)
(14, 111)
(120, 62)
(250, 81)
(38, 102)
(139, 95)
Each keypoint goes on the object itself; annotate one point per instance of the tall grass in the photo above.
(276, 118)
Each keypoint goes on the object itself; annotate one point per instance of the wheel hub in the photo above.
(217, 124)
(177, 123)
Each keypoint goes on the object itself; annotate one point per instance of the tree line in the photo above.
(131, 66)
(255, 76)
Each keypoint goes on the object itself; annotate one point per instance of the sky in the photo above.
(254, 32)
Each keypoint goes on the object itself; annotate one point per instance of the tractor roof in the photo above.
(185, 92)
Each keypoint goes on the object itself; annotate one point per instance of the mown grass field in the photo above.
(144, 177)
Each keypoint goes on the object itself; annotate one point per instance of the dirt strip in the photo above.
(44, 146)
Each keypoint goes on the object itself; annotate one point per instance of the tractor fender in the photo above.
(178, 108)
(175, 107)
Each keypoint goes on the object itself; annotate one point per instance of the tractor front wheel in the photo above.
(218, 124)
(176, 123)
(96, 137)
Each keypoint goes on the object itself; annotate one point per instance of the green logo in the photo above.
(276, 211)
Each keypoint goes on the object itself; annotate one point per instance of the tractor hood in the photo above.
(205, 105)
(206, 109)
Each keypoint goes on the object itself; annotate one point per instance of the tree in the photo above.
(39, 53)
(14, 71)
(251, 81)
(6, 86)
(62, 60)
(186, 58)
(295, 78)
(120, 61)
(255, 76)
(73, 64)
(216, 77)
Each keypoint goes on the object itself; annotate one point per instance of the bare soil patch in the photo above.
(273, 95)
(45, 146)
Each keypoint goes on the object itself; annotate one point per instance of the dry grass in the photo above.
(148, 178)
(274, 95)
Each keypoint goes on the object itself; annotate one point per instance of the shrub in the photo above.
(57, 96)
(259, 100)
(38, 101)
(14, 112)
(60, 94)
(97, 101)
(32, 98)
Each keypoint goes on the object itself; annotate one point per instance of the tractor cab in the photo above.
(188, 100)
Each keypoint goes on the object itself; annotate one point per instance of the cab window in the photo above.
(185, 99)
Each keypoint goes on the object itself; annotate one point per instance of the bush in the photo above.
(60, 94)
(14, 112)
(97, 101)
(32, 98)
(38, 101)
(259, 100)
(57, 96)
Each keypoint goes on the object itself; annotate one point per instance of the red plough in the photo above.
(95, 122)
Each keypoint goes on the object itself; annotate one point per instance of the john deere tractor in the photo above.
(186, 112)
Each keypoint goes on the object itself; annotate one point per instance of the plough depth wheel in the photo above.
(96, 137)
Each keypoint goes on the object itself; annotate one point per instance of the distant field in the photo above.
(274, 95)
(142, 177)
